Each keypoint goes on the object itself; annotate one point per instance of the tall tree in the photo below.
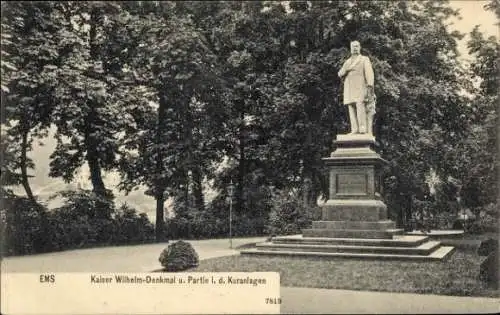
(474, 158)
(171, 61)
(27, 57)
(245, 37)
(87, 117)
(307, 112)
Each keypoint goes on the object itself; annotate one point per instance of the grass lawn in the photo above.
(458, 276)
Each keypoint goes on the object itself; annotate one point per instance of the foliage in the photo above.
(283, 100)
(487, 220)
(289, 215)
(30, 228)
(84, 220)
(85, 203)
(26, 90)
(177, 94)
(426, 221)
(476, 163)
(423, 215)
(25, 226)
(190, 223)
(489, 269)
(491, 216)
(248, 220)
(88, 111)
(178, 256)
(131, 227)
(170, 59)
(9, 163)
(487, 246)
(7, 67)
(473, 158)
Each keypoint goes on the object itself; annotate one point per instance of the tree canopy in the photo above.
(174, 95)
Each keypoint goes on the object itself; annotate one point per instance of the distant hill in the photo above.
(44, 186)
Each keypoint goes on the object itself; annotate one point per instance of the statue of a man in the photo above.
(359, 96)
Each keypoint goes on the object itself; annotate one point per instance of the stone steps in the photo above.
(438, 255)
(423, 249)
(400, 247)
(396, 241)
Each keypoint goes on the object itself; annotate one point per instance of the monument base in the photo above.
(351, 233)
(353, 210)
(354, 220)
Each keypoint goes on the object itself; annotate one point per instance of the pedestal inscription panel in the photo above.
(352, 184)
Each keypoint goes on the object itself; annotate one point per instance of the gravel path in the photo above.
(137, 258)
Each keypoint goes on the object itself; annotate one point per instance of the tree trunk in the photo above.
(90, 142)
(405, 203)
(93, 158)
(198, 189)
(160, 217)
(95, 172)
(241, 166)
(160, 170)
(307, 174)
(407, 212)
(24, 166)
(186, 130)
(305, 191)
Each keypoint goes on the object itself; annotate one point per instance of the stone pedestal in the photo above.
(354, 220)
(355, 208)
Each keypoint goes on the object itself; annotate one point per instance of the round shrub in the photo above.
(179, 256)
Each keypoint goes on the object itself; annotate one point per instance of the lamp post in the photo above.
(231, 189)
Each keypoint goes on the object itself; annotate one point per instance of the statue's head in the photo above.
(355, 47)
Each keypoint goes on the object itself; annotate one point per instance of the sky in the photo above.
(472, 13)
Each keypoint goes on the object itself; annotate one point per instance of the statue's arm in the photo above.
(343, 71)
(368, 69)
